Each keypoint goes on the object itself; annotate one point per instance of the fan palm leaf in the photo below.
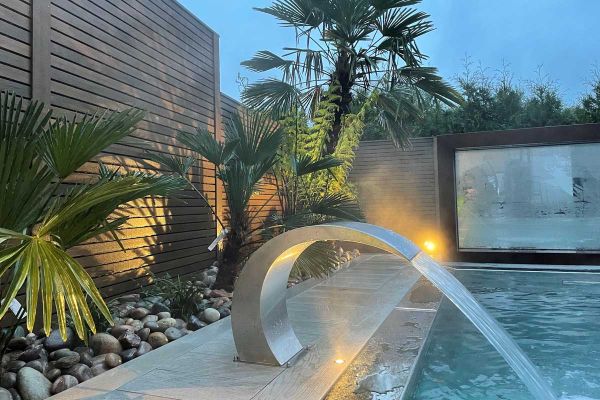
(335, 206)
(316, 261)
(265, 61)
(178, 164)
(83, 213)
(256, 137)
(70, 143)
(24, 178)
(300, 13)
(304, 164)
(272, 95)
(205, 144)
(38, 224)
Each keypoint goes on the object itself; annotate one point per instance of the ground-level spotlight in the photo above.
(339, 361)
(429, 245)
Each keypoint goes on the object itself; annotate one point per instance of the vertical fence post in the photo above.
(218, 127)
(40, 50)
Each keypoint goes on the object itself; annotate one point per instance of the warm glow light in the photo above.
(429, 245)
(339, 361)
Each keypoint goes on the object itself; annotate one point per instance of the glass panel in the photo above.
(538, 197)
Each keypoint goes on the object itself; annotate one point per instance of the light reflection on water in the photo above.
(555, 319)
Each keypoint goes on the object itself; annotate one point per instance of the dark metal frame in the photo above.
(447, 145)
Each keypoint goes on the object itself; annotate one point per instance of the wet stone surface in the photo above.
(382, 369)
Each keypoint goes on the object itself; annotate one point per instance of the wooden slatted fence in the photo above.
(398, 188)
(84, 55)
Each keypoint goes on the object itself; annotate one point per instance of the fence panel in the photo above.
(80, 56)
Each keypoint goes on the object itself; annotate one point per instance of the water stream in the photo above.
(486, 324)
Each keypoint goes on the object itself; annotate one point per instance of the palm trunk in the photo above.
(343, 79)
(230, 262)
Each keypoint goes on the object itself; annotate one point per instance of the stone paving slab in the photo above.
(383, 368)
(337, 316)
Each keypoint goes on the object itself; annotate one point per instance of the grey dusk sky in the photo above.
(559, 36)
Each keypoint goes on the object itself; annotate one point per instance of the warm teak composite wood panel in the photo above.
(81, 56)
(397, 188)
(15, 46)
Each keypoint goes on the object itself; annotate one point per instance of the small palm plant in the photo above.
(42, 214)
(250, 152)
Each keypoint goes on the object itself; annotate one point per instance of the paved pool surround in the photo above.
(335, 317)
(388, 364)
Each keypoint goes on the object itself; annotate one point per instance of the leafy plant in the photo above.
(496, 101)
(589, 108)
(41, 216)
(247, 154)
(102, 324)
(250, 152)
(347, 51)
(184, 295)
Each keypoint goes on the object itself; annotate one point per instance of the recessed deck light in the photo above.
(339, 361)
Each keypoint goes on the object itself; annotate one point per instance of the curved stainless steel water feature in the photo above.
(261, 329)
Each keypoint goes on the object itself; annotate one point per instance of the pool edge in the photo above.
(417, 366)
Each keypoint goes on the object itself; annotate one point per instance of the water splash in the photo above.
(486, 324)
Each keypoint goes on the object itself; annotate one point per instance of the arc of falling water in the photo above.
(263, 333)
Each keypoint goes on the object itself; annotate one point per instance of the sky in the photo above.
(557, 37)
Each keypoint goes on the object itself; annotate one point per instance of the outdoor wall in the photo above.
(397, 187)
(85, 55)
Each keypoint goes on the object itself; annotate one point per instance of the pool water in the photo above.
(555, 319)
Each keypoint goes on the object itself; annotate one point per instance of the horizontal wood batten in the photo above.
(113, 54)
(397, 187)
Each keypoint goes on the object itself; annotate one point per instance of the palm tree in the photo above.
(42, 215)
(249, 153)
(349, 50)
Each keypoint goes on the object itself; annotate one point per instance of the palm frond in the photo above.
(427, 80)
(204, 143)
(25, 180)
(54, 275)
(336, 206)
(383, 5)
(298, 219)
(317, 261)
(304, 13)
(177, 164)
(310, 100)
(265, 61)
(84, 211)
(349, 22)
(256, 136)
(273, 96)
(35, 158)
(404, 23)
(16, 119)
(395, 108)
(70, 143)
(304, 164)
(240, 183)
(308, 66)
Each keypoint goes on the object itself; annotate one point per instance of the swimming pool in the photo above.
(553, 316)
